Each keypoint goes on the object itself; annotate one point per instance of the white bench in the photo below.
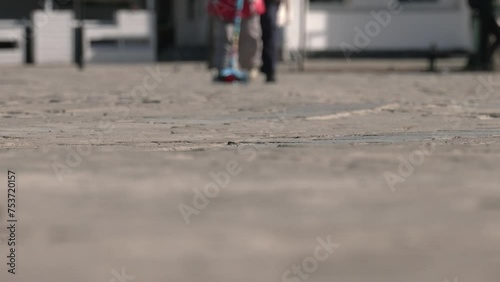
(128, 39)
(12, 35)
(332, 28)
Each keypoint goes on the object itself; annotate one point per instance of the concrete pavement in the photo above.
(128, 173)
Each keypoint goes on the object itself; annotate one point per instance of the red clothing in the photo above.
(226, 9)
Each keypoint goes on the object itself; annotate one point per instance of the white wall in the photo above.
(53, 37)
(445, 24)
(128, 25)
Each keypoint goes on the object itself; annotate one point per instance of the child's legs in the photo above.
(223, 34)
(250, 43)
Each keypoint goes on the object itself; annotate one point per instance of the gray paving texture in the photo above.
(153, 173)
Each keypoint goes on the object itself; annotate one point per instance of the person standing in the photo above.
(250, 44)
(483, 60)
(489, 26)
(269, 23)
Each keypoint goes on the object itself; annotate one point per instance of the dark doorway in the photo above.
(102, 10)
(16, 10)
(165, 26)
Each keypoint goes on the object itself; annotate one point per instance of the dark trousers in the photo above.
(483, 60)
(269, 37)
(489, 27)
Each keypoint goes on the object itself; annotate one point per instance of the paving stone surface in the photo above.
(153, 173)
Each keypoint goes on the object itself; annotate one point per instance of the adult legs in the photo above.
(489, 27)
(495, 30)
(269, 28)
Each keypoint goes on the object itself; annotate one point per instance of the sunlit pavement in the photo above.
(158, 174)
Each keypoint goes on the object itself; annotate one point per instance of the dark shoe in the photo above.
(270, 78)
(263, 69)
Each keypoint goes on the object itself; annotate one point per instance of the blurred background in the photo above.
(108, 158)
(45, 32)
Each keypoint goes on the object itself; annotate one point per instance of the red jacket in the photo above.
(226, 9)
